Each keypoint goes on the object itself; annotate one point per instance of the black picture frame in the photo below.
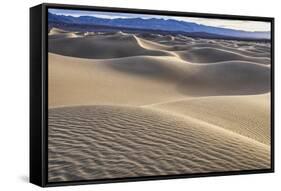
(39, 93)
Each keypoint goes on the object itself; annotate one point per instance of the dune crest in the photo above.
(211, 55)
(100, 47)
(245, 115)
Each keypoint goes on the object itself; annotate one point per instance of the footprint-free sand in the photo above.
(130, 105)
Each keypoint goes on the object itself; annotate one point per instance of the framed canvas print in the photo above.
(127, 95)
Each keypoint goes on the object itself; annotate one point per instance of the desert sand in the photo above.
(128, 105)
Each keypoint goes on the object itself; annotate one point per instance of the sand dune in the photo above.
(130, 105)
(205, 52)
(160, 46)
(100, 47)
(56, 33)
(125, 80)
(116, 141)
(161, 38)
(210, 55)
(254, 50)
(117, 81)
(232, 49)
(90, 45)
(246, 115)
(226, 78)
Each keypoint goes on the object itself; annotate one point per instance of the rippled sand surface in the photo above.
(130, 105)
(117, 141)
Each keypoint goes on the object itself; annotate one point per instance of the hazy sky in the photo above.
(224, 23)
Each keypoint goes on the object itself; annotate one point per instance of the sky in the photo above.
(223, 23)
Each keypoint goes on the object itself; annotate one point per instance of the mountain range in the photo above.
(156, 24)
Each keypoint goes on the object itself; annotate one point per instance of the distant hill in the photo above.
(157, 24)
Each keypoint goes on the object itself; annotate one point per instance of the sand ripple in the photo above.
(98, 142)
